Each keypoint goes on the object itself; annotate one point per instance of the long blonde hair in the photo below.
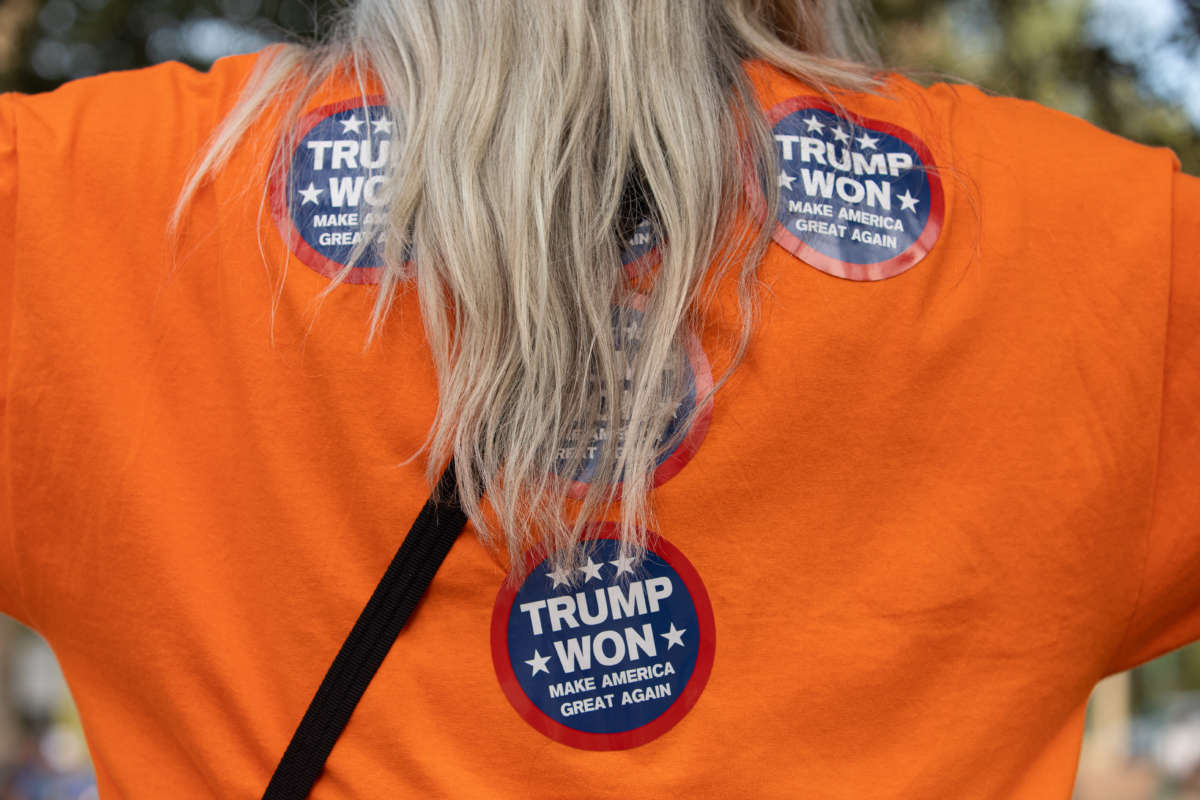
(532, 135)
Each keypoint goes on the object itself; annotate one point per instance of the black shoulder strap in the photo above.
(407, 577)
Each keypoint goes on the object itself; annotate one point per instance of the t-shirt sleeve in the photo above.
(10, 593)
(1167, 614)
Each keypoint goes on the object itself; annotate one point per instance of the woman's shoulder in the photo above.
(973, 121)
(121, 139)
(146, 122)
(123, 100)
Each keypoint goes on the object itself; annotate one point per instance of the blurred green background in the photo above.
(1131, 66)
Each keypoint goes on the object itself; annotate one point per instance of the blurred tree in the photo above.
(65, 39)
(1068, 54)
(14, 15)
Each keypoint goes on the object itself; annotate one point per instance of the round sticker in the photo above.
(334, 188)
(641, 250)
(858, 199)
(683, 443)
(605, 657)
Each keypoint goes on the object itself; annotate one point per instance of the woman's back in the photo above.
(922, 518)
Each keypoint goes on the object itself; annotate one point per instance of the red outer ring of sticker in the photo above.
(686, 450)
(278, 198)
(880, 270)
(636, 737)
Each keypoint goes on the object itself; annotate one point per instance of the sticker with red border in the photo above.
(610, 656)
(858, 198)
(334, 187)
(688, 425)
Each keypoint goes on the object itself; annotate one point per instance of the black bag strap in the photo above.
(406, 579)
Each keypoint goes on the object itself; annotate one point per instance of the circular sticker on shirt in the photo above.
(859, 199)
(333, 190)
(679, 442)
(641, 250)
(605, 656)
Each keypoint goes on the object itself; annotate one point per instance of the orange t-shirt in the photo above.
(952, 486)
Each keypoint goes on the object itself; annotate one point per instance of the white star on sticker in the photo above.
(560, 578)
(907, 201)
(841, 135)
(814, 124)
(381, 125)
(867, 141)
(538, 662)
(351, 125)
(591, 569)
(623, 564)
(786, 180)
(674, 636)
(311, 195)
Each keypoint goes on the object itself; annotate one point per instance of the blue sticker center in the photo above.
(337, 181)
(852, 193)
(626, 323)
(643, 240)
(604, 649)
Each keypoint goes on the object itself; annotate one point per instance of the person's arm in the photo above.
(11, 601)
(1167, 615)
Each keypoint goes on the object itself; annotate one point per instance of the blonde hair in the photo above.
(532, 135)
